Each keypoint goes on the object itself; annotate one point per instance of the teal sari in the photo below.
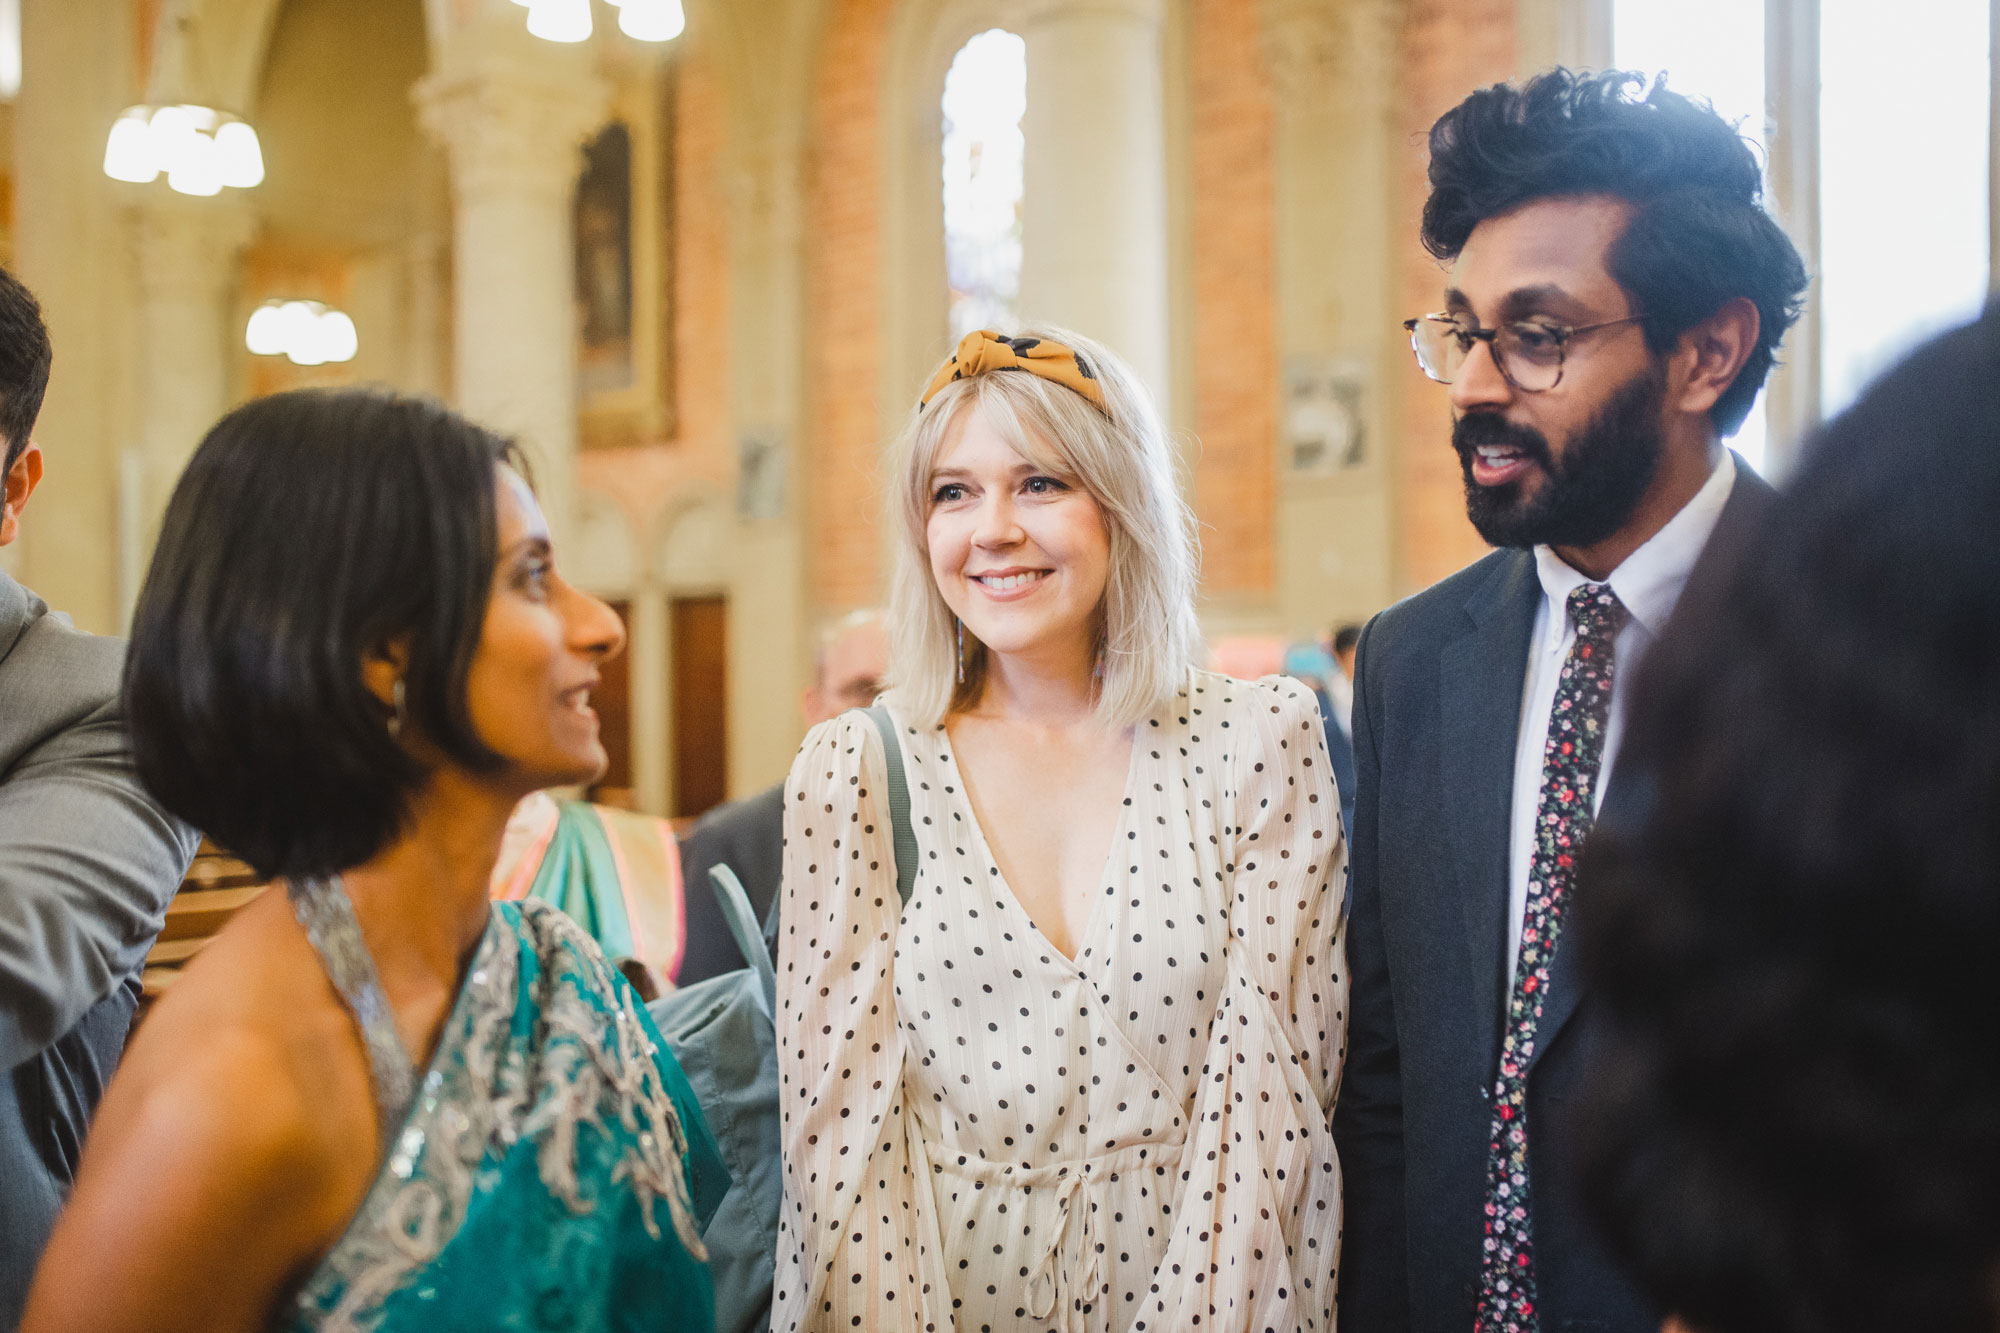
(553, 1170)
(615, 873)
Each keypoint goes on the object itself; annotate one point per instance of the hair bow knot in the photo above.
(984, 351)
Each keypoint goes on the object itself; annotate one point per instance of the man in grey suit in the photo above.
(87, 861)
(1614, 298)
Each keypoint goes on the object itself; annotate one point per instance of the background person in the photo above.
(1615, 297)
(1083, 1080)
(1798, 1127)
(849, 663)
(88, 861)
(377, 1098)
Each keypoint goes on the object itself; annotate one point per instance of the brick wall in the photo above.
(1448, 48)
(1235, 333)
(843, 220)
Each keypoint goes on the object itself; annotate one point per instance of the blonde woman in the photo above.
(1083, 1080)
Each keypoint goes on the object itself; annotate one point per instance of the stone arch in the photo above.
(602, 554)
(695, 534)
(215, 49)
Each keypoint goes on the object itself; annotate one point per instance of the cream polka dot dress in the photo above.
(981, 1134)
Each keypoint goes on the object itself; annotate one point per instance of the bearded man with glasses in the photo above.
(1614, 297)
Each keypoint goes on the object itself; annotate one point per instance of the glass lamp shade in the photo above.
(199, 169)
(652, 20)
(242, 156)
(338, 340)
(265, 335)
(172, 133)
(128, 155)
(560, 20)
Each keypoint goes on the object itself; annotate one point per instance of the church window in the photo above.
(985, 95)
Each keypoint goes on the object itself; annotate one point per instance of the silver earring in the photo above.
(961, 649)
(401, 713)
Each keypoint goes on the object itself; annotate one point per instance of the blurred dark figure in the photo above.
(1346, 643)
(1794, 935)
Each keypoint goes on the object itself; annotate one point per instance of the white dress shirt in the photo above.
(1340, 693)
(1649, 583)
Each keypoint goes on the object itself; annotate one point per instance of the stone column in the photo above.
(187, 251)
(1094, 207)
(72, 248)
(1334, 250)
(513, 114)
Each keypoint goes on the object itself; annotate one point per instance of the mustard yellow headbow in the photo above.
(986, 351)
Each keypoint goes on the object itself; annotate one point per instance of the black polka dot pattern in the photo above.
(981, 1134)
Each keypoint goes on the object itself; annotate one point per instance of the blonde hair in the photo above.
(1120, 457)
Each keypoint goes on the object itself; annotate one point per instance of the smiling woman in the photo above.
(353, 656)
(1125, 879)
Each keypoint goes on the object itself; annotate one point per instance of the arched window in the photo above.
(985, 94)
(1897, 180)
(1719, 58)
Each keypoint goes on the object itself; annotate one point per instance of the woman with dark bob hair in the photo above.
(1797, 938)
(377, 1100)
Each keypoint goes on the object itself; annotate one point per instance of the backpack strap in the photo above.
(742, 922)
(899, 804)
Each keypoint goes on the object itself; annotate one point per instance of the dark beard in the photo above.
(1590, 494)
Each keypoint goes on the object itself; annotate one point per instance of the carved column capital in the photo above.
(188, 247)
(513, 122)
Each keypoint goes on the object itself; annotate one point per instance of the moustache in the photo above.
(1475, 429)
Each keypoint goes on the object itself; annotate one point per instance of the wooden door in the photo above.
(613, 701)
(700, 703)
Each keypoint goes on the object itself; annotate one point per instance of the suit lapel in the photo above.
(1748, 499)
(1481, 676)
(17, 608)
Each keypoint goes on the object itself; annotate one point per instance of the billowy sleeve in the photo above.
(848, 1255)
(1258, 1229)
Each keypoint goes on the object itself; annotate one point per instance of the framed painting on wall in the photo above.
(624, 279)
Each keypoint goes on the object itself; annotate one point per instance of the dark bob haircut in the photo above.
(1798, 1128)
(309, 529)
(1699, 236)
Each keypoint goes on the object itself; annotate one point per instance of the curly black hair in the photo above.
(1798, 1130)
(1698, 237)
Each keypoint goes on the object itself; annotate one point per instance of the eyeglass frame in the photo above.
(1563, 334)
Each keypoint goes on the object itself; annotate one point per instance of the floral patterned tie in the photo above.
(1507, 1300)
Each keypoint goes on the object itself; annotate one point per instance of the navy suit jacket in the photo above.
(1436, 714)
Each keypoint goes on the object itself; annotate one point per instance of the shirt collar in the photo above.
(1650, 580)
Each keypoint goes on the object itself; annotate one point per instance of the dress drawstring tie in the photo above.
(1049, 1284)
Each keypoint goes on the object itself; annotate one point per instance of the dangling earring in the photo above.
(401, 713)
(1097, 667)
(961, 649)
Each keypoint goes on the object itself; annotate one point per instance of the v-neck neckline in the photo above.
(1088, 932)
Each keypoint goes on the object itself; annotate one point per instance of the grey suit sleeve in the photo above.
(87, 866)
(1368, 1120)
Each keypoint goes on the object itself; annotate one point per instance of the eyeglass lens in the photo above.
(1530, 355)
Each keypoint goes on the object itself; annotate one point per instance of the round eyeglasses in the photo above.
(1529, 352)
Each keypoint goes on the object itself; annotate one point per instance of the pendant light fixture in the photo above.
(199, 149)
(641, 20)
(307, 333)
